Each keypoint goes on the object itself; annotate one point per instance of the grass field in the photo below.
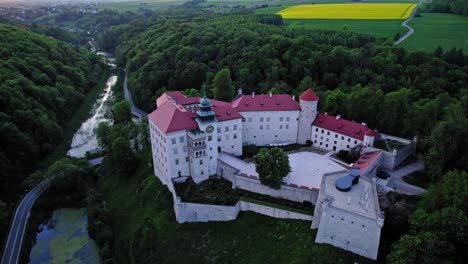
(433, 30)
(135, 5)
(379, 28)
(349, 11)
(251, 238)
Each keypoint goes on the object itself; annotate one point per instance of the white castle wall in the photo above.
(326, 139)
(306, 118)
(229, 136)
(194, 212)
(276, 127)
(286, 192)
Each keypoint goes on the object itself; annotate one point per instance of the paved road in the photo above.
(15, 237)
(135, 110)
(405, 24)
(396, 181)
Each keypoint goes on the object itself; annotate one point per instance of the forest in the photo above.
(360, 77)
(459, 7)
(42, 82)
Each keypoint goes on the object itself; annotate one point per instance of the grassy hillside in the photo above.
(252, 238)
(432, 30)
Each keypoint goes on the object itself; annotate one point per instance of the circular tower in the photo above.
(308, 103)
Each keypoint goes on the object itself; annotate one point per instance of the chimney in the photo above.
(253, 94)
(239, 91)
(294, 98)
(363, 123)
(338, 117)
(271, 94)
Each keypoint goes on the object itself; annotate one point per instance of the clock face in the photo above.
(209, 129)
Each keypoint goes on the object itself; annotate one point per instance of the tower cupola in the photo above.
(205, 113)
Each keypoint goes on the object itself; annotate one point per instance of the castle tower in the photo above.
(308, 102)
(203, 144)
(369, 138)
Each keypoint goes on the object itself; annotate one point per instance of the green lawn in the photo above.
(252, 238)
(432, 30)
(379, 28)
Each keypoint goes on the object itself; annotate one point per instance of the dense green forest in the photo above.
(42, 82)
(409, 94)
(358, 76)
(459, 7)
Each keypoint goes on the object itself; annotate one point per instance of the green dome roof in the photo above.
(205, 102)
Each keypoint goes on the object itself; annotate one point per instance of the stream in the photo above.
(85, 139)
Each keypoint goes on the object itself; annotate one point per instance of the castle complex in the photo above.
(198, 138)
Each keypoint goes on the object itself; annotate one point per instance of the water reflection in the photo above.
(85, 138)
(65, 240)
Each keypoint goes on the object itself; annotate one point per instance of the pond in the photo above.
(65, 239)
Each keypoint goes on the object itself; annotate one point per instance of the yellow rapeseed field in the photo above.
(349, 11)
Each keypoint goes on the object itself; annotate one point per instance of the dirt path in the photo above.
(405, 24)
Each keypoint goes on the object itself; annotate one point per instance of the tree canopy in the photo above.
(272, 165)
(222, 86)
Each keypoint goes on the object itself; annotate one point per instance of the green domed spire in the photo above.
(205, 113)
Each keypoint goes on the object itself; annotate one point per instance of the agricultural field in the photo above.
(349, 11)
(134, 6)
(432, 30)
(379, 28)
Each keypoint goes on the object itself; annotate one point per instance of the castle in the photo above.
(197, 138)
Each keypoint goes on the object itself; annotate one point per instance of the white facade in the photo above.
(229, 136)
(331, 140)
(262, 128)
(306, 118)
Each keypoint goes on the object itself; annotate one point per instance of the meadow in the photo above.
(432, 30)
(349, 11)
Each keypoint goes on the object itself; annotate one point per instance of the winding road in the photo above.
(11, 252)
(405, 24)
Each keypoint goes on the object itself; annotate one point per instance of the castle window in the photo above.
(326, 145)
(342, 138)
(363, 226)
(201, 163)
(175, 151)
(219, 138)
(261, 127)
(328, 133)
(287, 126)
(219, 130)
(287, 118)
(316, 136)
(336, 135)
(281, 118)
(322, 131)
(202, 173)
(349, 140)
(177, 161)
(355, 141)
(235, 127)
(227, 137)
(186, 159)
(226, 128)
(315, 141)
(268, 119)
(347, 146)
(210, 138)
(181, 139)
(261, 119)
(243, 119)
(185, 148)
(334, 142)
(173, 141)
(281, 126)
(235, 135)
(316, 130)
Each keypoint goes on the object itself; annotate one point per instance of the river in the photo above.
(85, 139)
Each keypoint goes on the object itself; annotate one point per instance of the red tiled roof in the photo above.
(365, 160)
(224, 113)
(342, 126)
(309, 95)
(263, 102)
(170, 118)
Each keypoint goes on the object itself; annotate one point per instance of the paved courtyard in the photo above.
(307, 168)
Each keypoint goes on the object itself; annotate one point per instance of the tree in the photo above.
(103, 134)
(123, 156)
(122, 111)
(222, 86)
(3, 212)
(144, 242)
(397, 36)
(272, 165)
